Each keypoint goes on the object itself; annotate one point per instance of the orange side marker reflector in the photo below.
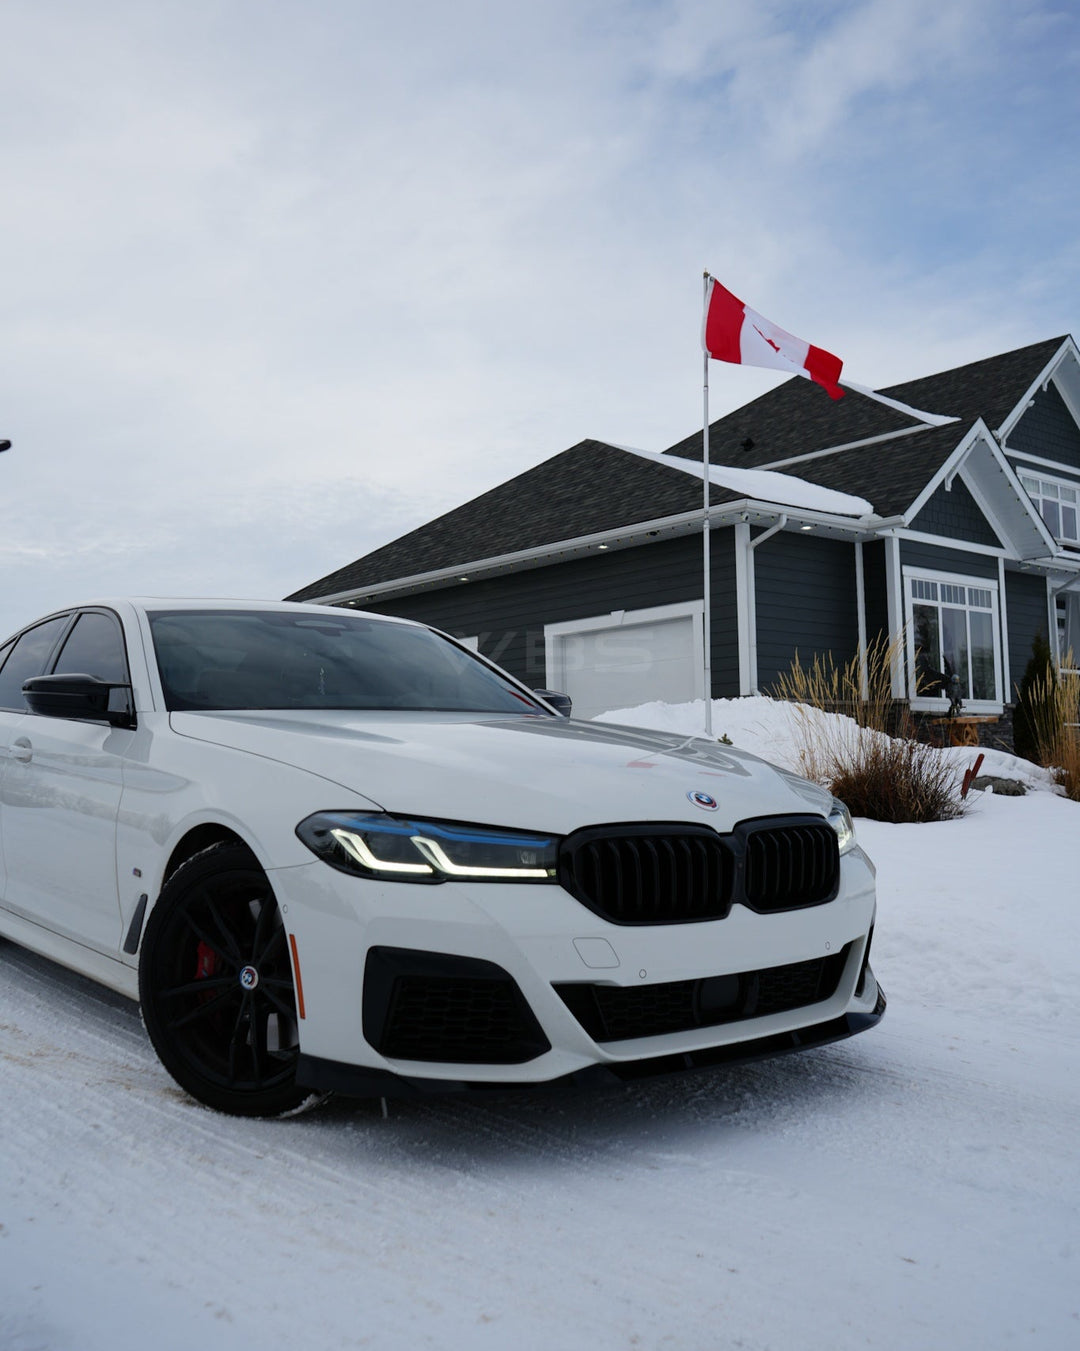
(296, 972)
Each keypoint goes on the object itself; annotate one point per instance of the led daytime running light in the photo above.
(430, 849)
(357, 848)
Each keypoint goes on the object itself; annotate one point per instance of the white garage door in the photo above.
(627, 658)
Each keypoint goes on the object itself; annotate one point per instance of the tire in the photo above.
(216, 986)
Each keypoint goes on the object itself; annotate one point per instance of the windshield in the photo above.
(232, 659)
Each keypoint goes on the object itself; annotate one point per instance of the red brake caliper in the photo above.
(206, 963)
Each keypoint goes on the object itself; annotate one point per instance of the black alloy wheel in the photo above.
(216, 986)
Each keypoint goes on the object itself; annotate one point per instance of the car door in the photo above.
(6, 735)
(26, 655)
(60, 798)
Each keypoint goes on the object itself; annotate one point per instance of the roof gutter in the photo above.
(685, 523)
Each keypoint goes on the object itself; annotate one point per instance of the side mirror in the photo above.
(86, 698)
(561, 703)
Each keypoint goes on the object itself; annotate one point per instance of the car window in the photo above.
(274, 659)
(95, 646)
(28, 658)
(4, 652)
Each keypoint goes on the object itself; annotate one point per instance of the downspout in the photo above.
(751, 596)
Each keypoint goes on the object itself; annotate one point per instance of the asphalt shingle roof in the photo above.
(591, 487)
(594, 487)
(798, 417)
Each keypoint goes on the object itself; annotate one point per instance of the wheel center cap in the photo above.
(249, 977)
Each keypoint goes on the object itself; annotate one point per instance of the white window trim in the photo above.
(692, 609)
(940, 703)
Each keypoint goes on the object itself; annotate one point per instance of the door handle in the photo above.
(21, 749)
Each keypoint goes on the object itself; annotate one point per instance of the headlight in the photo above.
(396, 849)
(840, 820)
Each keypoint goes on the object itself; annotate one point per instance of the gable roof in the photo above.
(794, 418)
(595, 487)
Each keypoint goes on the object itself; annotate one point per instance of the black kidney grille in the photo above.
(617, 1013)
(790, 866)
(676, 874)
(637, 876)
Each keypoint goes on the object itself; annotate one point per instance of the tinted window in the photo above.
(274, 659)
(27, 659)
(95, 646)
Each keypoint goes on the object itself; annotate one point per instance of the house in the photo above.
(830, 523)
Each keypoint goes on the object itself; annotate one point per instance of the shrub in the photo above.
(1034, 696)
(845, 723)
(1055, 712)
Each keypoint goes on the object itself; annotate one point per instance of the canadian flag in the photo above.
(732, 331)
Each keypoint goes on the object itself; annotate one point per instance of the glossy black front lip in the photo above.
(358, 1081)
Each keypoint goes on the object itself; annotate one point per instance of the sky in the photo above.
(283, 280)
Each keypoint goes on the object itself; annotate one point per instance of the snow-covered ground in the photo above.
(915, 1187)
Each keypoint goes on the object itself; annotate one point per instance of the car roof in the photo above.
(151, 603)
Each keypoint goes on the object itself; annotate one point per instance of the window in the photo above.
(28, 658)
(94, 647)
(1058, 503)
(953, 629)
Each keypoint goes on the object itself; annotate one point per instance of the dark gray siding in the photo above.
(1025, 595)
(955, 515)
(508, 613)
(915, 555)
(806, 602)
(1048, 429)
(877, 597)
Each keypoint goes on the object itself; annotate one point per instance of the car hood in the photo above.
(553, 774)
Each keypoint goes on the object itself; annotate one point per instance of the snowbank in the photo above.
(769, 728)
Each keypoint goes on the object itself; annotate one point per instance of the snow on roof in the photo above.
(767, 485)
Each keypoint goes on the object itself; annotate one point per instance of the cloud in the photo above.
(255, 253)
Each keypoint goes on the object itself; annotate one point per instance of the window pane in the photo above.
(922, 590)
(976, 596)
(927, 650)
(953, 595)
(1068, 522)
(94, 647)
(28, 659)
(1052, 516)
(954, 647)
(1067, 494)
(982, 656)
(1031, 484)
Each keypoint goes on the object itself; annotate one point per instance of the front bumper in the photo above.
(550, 948)
(331, 1076)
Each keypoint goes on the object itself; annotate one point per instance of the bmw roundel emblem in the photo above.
(249, 978)
(704, 801)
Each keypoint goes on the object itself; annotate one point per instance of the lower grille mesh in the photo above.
(445, 1008)
(617, 1013)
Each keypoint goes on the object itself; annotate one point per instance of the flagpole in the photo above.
(707, 570)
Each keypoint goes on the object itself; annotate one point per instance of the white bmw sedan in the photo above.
(330, 851)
